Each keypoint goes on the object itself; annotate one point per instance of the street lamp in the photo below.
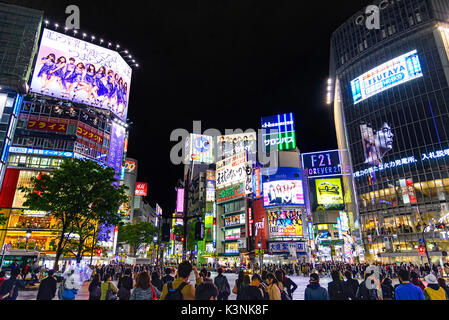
(28, 235)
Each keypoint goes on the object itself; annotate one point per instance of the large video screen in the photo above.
(285, 223)
(329, 191)
(79, 71)
(388, 75)
(283, 193)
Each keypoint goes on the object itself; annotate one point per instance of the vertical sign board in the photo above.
(279, 132)
(180, 201)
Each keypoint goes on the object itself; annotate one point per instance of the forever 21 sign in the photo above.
(322, 164)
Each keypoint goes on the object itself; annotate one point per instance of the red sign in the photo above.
(85, 133)
(250, 221)
(141, 189)
(47, 126)
(260, 222)
(257, 182)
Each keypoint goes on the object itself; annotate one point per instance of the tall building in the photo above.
(391, 106)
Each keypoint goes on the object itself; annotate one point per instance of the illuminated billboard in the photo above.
(322, 164)
(180, 201)
(282, 186)
(141, 189)
(234, 170)
(285, 223)
(388, 75)
(199, 148)
(77, 70)
(283, 138)
(230, 145)
(329, 191)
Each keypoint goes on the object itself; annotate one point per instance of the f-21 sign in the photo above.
(322, 164)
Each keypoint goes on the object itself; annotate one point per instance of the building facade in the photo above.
(391, 106)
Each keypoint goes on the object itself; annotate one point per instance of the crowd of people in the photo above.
(151, 282)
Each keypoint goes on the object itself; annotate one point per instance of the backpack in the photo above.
(175, 294)
(110, 294)
(96, 293)
(225, 289)
(123, 293)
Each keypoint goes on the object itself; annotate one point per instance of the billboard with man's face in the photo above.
(79, 71)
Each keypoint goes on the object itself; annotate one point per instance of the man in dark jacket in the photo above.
(351, 285)
(253, 291)
(9, 290)
(336, 288)
(47, 288)
(125, 285)
(221, 282)
(168, 277)
(314, 291)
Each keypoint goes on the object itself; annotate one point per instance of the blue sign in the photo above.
(282, 247)
(310, 230)
(322, 164)
(39, 152)
(280, 174)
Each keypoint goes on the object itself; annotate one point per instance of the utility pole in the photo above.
(425, 246)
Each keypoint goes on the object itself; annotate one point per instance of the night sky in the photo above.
(226, 64)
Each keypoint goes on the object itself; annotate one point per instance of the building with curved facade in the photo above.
(391, 106)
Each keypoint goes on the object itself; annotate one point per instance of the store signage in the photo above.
(210, 186)
(283, 247)
(35, 213)
(47, 126)
(257, 184)
(40, 152)
(322, 164)
(158, 210)
(310, 230)
(408, 191)
(199, 148)
(388, 75)
(231, 193)
(141, 189)
(332, 242)
(130, 166)
(88, 134)
(284, 137)
(180, 201)
(230, 145)
(250, 221)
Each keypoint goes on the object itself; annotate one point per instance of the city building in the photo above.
(391, 105)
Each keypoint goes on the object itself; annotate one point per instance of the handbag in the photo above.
(110, 294)
(153, 294)
(68, 294)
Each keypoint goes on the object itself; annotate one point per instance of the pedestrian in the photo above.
(108, 289)
(273, 290)
(387, 289)
(442, 284)
(206, 291)
(70, 285)
(125, 285)
(336, 287)
(95, 288)
(289, 285)
(366, 290)
(351, 285)
(433, 291)
(415, 280)
(144, 289)
(168, 277)
(9, 290)
(407, 290)
(253, 292)
(314, 291)
(181, 289)
(240, 285)
(47, 287)
(156, 281)
(221, 282)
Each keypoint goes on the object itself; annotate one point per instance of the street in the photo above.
(301, 281)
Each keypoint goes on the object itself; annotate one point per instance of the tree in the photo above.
(136, 235)
(80, 194)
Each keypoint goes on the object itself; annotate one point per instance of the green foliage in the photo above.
(79, 194)
(178, 231)
(3, 219)
(137, 235)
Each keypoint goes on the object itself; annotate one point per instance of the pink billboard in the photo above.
(180, 201)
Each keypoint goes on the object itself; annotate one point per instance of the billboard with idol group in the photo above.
(79, 71)
(282, 186)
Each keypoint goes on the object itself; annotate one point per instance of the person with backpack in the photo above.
(144, 288)
(125, 285)
(95, 288)
(9, 290)
(433, 291)
(387, 289)
(168, 277)
(363, 293)
(221, 282)
(336, 287)
(273, 290)
(108, 289)
(47, 288)
(70, 285)
(314, 291)
(181, 289)
(156, 281)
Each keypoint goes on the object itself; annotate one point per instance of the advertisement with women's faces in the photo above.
(79, 71)
(285, 223)
(279, 193)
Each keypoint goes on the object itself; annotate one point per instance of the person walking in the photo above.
(288, 285)
(363, 293)
(206, 291)
(125, 285)
(253, 292)
(70, 284)
(47, 287)
(387, 289)
(240, 284)
(407, 290)
(168, 277)
(414, 278)
(9, 290)
(144, 289)
(108, 289)
(221, 282)
(314, 291)
(273, 290)
(336, 287)
(156, 281)
(351, 285)
(433, 291)
(95, 288)
(442, 284)
(181, 289)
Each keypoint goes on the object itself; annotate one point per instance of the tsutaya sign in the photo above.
(388, 75)
(279, 131)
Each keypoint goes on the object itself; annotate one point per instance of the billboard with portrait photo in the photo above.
(230, 145)
(80, 71)
(377, 142)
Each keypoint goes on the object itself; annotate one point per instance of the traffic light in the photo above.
(99, 251)
(441, 226)
(421, 250)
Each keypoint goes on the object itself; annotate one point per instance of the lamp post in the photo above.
(425, 245)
